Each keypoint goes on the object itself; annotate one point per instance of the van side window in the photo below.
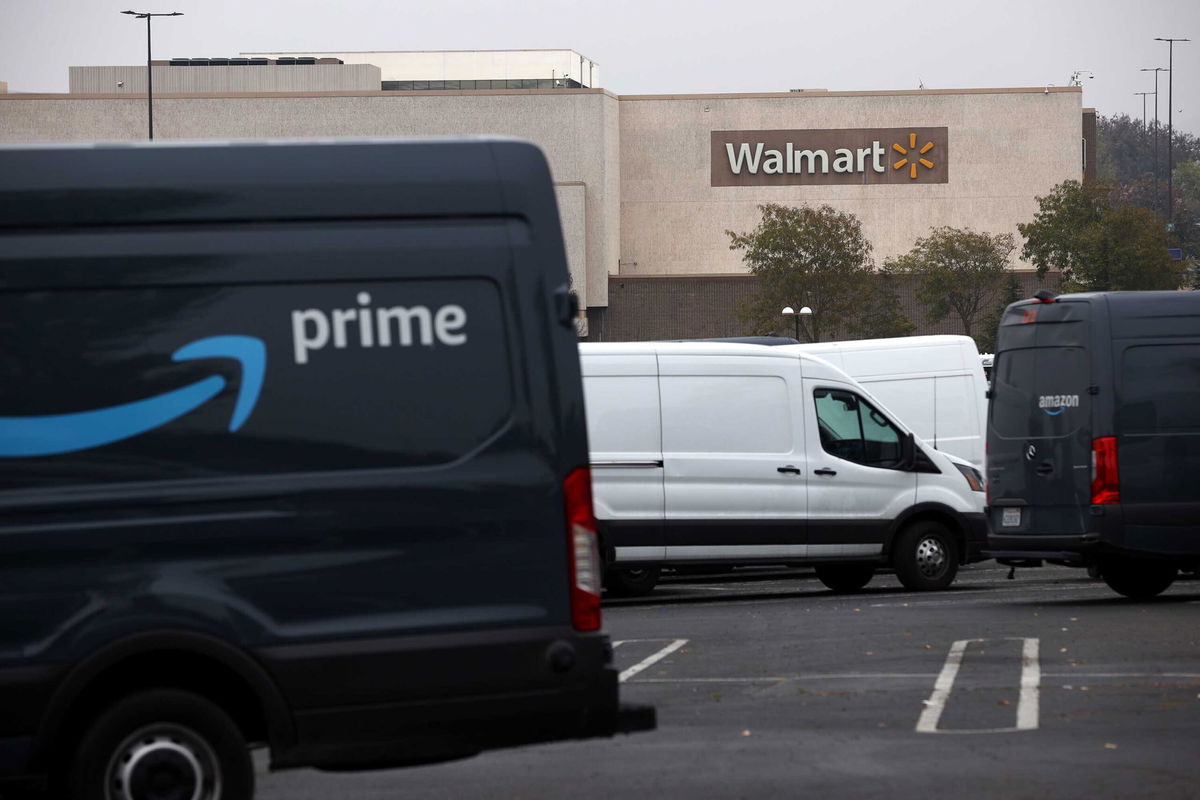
(1159, 393)
(851, 429)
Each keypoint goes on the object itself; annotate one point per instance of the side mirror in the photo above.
(908, 452)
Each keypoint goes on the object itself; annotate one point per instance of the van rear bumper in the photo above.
(1144, 541)
(416, 700)
(1071, 549)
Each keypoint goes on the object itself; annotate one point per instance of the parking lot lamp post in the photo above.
(147, 15)
(1143, 96)
(1155, 70)
(1170, 127)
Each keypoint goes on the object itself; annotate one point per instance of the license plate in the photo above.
(1011, 518)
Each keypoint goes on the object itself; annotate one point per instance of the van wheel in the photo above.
(162, 743)
(1138, 579)
(631, 582)
(845, 577)
(925, 557)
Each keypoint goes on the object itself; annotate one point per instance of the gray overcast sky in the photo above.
(656, 46)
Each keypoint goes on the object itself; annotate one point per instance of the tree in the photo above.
(1187, 208)
(959, 272)
(1098, 241)
(805, 256)
(1127, 151)
(985, 340)
(883, 317)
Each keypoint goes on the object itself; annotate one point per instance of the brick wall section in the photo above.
(646, 307)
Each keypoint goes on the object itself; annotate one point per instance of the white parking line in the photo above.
(1031, 677)
(847, 676)
(1027, 704)
(651, 660)
(941, 689)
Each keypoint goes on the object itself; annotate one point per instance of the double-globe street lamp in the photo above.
(147, 15)
(805, 311)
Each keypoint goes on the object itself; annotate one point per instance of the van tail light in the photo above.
(583, 553)
(1106, 483)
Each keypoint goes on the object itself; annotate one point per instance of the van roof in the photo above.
(813, 366)
(887, 344)
(81, 184)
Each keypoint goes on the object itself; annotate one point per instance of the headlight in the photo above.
(973, 476)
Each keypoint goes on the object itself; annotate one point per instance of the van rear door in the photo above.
(1039, 421)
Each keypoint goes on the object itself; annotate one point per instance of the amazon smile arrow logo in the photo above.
(68, 433)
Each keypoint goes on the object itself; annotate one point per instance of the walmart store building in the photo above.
(647, 185)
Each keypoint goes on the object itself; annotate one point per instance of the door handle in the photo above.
(789, 468)
(1045, 468)
(824, 471)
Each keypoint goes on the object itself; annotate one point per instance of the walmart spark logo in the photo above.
(912, 160)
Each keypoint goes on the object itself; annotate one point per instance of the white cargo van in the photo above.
(712, 453)
(935, 384)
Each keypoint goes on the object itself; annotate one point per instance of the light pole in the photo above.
(147, 15)
(1170, 126)
(1143, 95)
(1155, 70)
(804, 311)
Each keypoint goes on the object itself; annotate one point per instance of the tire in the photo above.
(845, 577)
(162, 735)
(631, 582)
(1138, 579)
(925, 556)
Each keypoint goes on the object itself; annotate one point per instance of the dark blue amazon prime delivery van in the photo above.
(1094, 436)
(292, 453)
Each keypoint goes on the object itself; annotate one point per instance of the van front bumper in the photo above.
(975, 528)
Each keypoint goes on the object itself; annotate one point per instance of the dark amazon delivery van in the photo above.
(292, 453)
(1094, 436)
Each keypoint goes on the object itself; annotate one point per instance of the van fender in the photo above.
(281, 729)
(955, 520)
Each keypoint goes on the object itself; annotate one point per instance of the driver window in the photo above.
(851, 429)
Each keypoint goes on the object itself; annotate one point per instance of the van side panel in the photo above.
(337, 444)
(625, 435)
(733, 457)
(1156, 365)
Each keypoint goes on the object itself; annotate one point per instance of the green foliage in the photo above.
(1127, 150)
(989, 326)
(805, 256)
(959, 272)
(1100, 242)
(883, 317)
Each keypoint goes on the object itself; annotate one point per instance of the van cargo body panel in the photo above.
(1071, 374)
(314, 403)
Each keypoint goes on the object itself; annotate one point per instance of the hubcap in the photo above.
(931, 557)
(163, 762)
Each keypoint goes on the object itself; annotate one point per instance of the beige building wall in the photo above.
(577, 129)
(1006, 146)
(633, 174)
(263, 78)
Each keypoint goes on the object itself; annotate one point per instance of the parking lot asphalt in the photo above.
(769, 685)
